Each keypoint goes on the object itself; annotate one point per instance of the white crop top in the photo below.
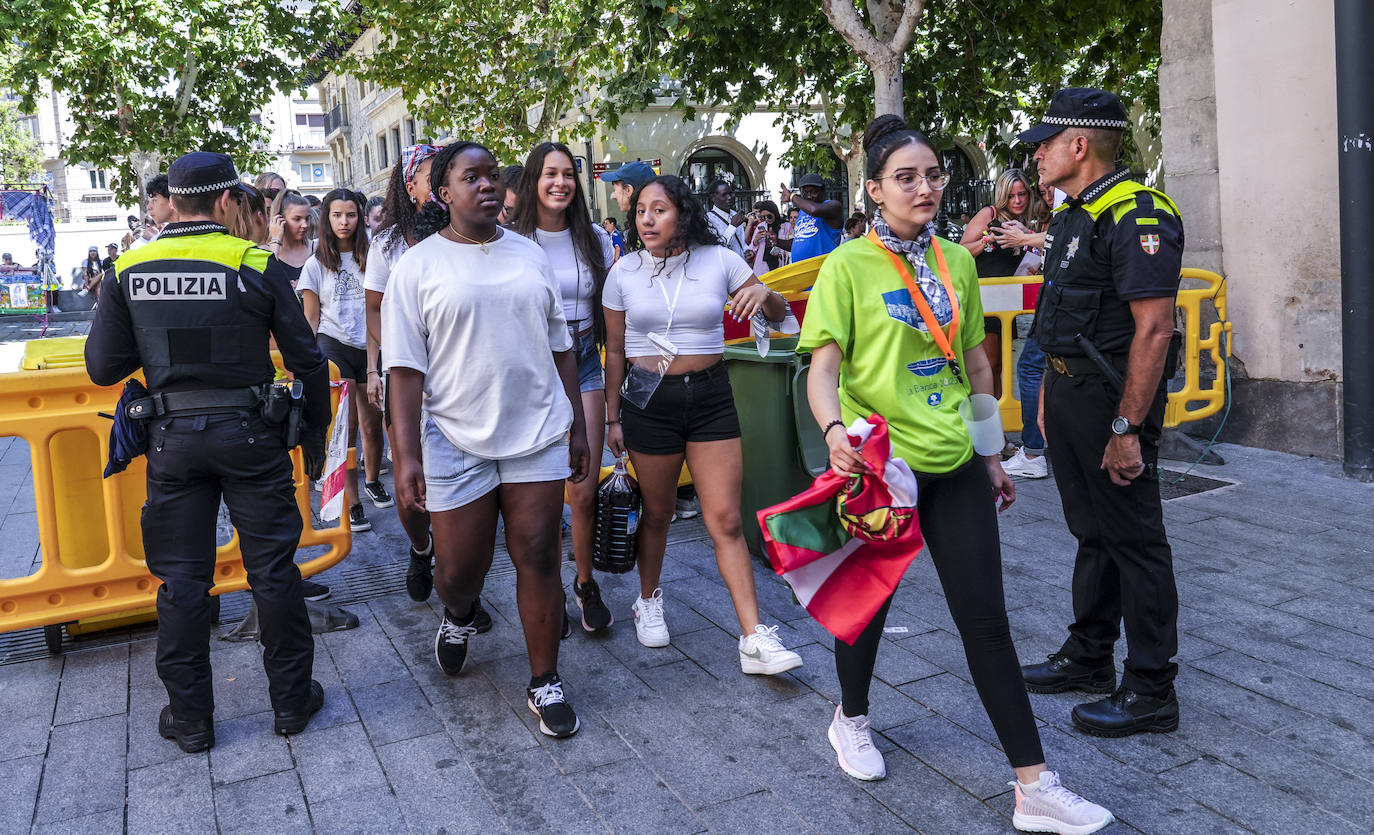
(699, 281)
(575, 281)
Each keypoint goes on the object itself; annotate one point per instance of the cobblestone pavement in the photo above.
(1276, 647)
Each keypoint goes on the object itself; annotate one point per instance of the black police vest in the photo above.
(1079, 296)
(187, 304)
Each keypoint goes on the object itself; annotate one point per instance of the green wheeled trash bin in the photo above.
(783, 447)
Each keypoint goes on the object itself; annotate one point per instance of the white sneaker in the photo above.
(1049, 807)
(649, 625)
(853, 745)
(763, 654)
(1024, 467)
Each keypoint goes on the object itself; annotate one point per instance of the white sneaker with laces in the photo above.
(650, 627)
(1049, 807)
(763, 653)
(853, 745)
(1022, 466)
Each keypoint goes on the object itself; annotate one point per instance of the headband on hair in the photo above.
(413, 156)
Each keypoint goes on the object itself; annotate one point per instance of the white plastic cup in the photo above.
(983, 419)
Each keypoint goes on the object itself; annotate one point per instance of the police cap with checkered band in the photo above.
(202, 172)
(1078, 107)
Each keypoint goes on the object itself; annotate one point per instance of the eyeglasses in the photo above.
(910, 181)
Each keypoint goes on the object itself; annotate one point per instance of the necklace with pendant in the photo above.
(466, 239)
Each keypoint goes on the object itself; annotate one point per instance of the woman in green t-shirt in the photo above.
(876, 347)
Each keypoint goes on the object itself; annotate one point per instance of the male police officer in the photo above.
(1112, 260)
(195, 309)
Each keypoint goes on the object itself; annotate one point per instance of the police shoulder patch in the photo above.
(1149, 243)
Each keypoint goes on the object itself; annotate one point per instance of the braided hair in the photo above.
(434, 215)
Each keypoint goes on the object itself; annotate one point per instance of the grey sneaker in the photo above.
(1049, 807)
(853, 745)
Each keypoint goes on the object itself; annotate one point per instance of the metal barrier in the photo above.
(88, 527)
(1191, 402)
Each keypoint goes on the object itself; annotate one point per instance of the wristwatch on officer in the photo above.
(1123, 426)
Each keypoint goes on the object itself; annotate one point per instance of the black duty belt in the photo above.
(202, 402)
(1081, 366)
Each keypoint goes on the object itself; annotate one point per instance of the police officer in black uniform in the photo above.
(194, 309)
(1105, 321)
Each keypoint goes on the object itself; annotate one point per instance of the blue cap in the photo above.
(635, 174)
(201, 172)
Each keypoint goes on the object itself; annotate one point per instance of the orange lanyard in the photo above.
(945, 342)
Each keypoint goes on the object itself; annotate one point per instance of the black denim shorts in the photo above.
(685, 408)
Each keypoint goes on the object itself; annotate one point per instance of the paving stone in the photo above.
(1253, 803)
(897, 665)
(336, 762)
(272, 803)
(438, 790)
(1345, 709)
(481, 722)
(95, 683)
(1327, 741)
(371, 810)
(1352, 616)
(599, 678)
(84, 769)
(946, 651)
(173, 797)
(629, 798)
(761, 812)
(28, 696)
(956, 700)
(1338, 643)
(1291, 655)
(110, 820)
(888, 707)
(976, 766)
(1242, 706)
(240, 681)
(338, 704)
(928, 802)
(18, 790)
(246, 747)
(365, 655)
(1269, 591)
(400, 617)
(532, 796)
(395, 710)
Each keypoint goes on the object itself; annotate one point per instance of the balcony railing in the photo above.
(335, 119)
(307, 139)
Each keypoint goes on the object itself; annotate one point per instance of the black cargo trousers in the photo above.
(1124, 570)
(193, 461)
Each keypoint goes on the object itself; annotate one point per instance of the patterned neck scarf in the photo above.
(915, 252)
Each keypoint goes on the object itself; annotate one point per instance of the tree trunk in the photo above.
(887, 87)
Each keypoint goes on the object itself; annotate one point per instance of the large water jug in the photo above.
(617, 519)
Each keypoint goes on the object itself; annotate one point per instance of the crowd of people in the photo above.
(501, 340)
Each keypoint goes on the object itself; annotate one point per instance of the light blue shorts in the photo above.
(454, 478)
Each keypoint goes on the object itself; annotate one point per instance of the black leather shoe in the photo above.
(1061, 673)
(294, 723)
(481, 619)
(1126, 712)
(191, 735)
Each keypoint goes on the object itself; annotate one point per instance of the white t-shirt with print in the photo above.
(343, 312)
(482, 327)
(696, 284)
(574, 277)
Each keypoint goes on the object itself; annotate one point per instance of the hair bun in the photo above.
(883, 127)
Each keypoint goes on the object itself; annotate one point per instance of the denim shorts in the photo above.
(454, 478)
(685, 408)
(590, 375)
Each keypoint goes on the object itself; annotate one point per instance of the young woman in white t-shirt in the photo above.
(288, 229)
(674, 292)
(473, 329)
(552, 210)
(331, 288)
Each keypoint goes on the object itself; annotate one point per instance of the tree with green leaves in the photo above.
(508, 74)
(20, 158)
(149, 80)
(951, 67)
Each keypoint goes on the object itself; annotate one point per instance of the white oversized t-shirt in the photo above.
(482, 327)
(343, 312)
(574, 277)
(695, 284)
(385, 251)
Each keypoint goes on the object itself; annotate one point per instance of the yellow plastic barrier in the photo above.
(88, 527)
(55, 352)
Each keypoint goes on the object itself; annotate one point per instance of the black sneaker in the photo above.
(481, 620)
(556, 716)
(420, 574)
(189, 735)
(1061, 673)
(451, 643)
(313, 590)
(376, 491)
(293, 723)
(566, 633)
(595, 615)
(357, 520)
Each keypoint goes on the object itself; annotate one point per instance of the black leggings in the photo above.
(959, 523)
